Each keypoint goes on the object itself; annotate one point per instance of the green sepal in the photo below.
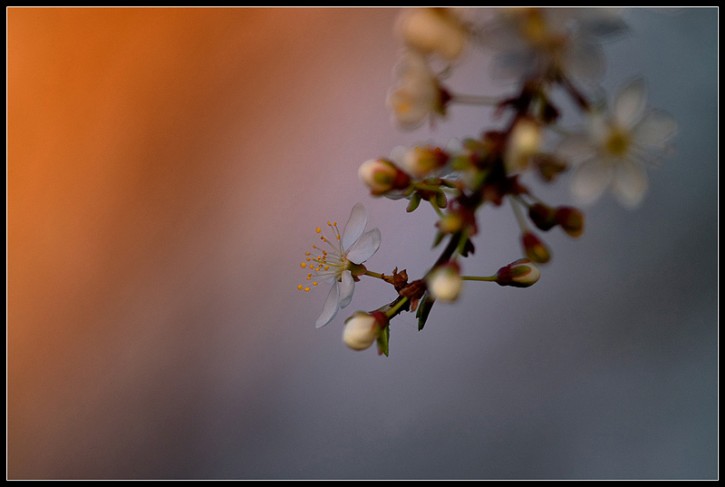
(414, 202)
(384, 341)
(424, 307)
(438, 239)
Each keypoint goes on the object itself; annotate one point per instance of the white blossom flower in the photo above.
(336, 263)
(617, 147)
(563, 40)
(361, 331)
(417, 95)
(433, 31)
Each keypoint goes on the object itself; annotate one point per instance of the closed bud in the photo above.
(382, 176)
(445, 282)
(450, 223)
(421, 161)
(521, 273)
(534, 248)
(571, 220)
(362, 329)
(544, 217)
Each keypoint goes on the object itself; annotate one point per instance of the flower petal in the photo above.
(655, 129)
(585, 60)
(575, 148)
(630, 183)
(630, 103)
(329, 310)
(346, 287)
(591, 179)
(365, 247)
(354, 226)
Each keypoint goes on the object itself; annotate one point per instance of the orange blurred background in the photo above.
(166, 169)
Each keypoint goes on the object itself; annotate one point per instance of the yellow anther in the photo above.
(307, 289)
(314, 283)
(299, 286)
(303, 264)
(338, 237)
(318, 230)
(329, 223)
(334, 224)
(308, 259)
(308, 278)
(308, 253)
(327, 267)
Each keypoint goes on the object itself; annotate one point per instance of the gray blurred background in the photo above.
(167, 169)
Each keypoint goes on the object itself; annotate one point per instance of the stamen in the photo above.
(303, 264)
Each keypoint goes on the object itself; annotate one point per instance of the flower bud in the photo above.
(524, 142)
(429, 30)
(571, 220)
(361, 331)
(381, 176)
(450, 223)
(543, 216)
(535, 248)
(444, 282)
(520, 273)
(421, 161)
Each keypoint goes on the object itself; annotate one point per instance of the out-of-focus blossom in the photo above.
(417, 95)
(445, 282)
(616, 148)
(342, 255)
(551, 40)
(422, 161)
(438, 31)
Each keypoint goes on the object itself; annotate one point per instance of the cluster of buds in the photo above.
(463, 177)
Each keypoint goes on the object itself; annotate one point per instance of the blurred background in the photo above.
(166, 171)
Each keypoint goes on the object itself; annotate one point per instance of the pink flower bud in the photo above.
(521, 273)
(535, 248)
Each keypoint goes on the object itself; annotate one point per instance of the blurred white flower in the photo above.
(433, 31)
(616, 148)
(336, 262)
(417, 94)
(551, 40)
(361, 331)
(445, 282)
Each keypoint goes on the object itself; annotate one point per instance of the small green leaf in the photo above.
(441, 200)
(384, 341)
(438, 239)
(424, 307)
(414, 202)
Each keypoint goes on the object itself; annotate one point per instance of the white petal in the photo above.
(329, 310)
(630, 103)
(365, 247)
(354, 226)
(585, 60)
(630, 183)
(346, 287)
(575, 148)
(591, 179)
(655, 130)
